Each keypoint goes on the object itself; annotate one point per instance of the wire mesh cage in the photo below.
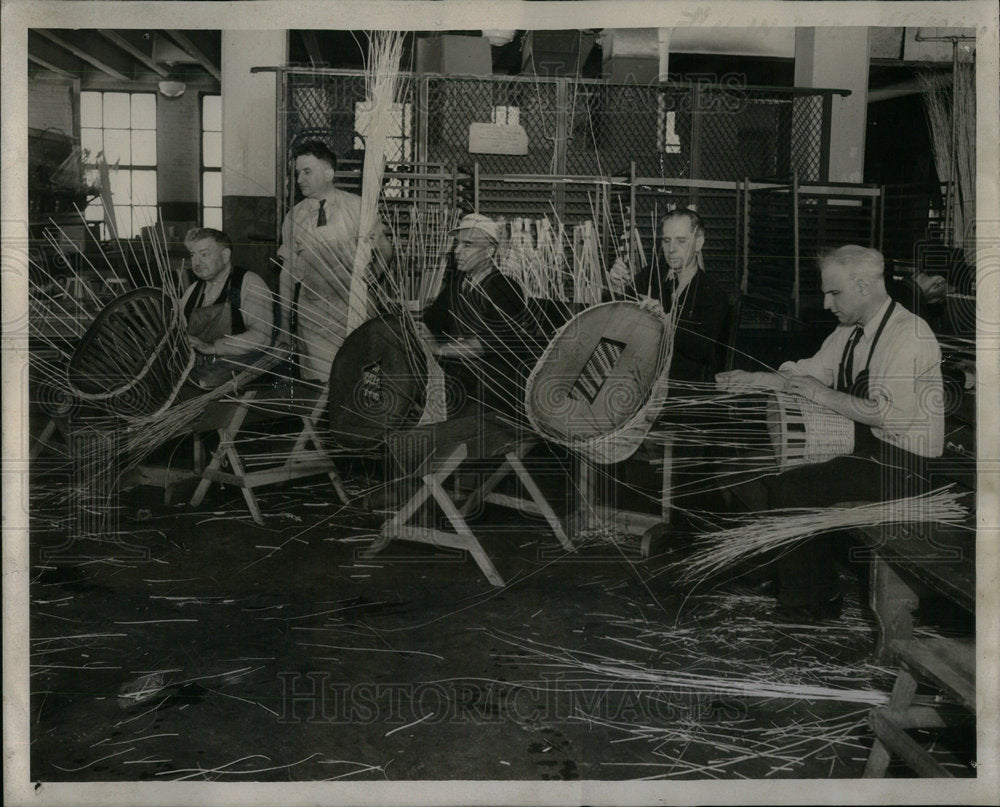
(619, 155)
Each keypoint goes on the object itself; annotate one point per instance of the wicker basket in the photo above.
(382, 379)
(804, 432)
(600, 382)
(135, 355)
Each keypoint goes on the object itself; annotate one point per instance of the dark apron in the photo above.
(905, 473)
(865, 443)
(220, 318)
(210, 322)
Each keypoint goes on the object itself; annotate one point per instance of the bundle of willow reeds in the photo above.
(777, 530)
(588, 283)
(420, 238)
(952, 118)
(382, 87)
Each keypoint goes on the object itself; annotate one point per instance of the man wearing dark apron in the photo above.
(229, 312)
(895, 400)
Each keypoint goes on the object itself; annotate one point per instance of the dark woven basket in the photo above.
(134, 356)
(378, 383)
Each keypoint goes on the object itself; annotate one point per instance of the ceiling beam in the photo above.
(117, 39)
(195, 52)
(49, 66)
(44, 51)
(82, 55)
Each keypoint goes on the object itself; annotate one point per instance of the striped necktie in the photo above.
(321, 218)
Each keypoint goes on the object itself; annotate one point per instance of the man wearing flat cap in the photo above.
(481, 305)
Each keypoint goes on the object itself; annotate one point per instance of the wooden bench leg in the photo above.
(462, 538)
(900, 699)
(226, 436)
(471, 543)
(893, 602)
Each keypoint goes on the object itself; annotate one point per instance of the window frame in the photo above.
(95, 211)
(203, 169)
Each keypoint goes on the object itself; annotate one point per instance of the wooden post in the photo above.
(893, 603)
(824, 141)
(631, 217)
(559, 145)
(795, 243)
(422, 115)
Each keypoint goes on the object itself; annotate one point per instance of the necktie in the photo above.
(321, 218)
(847, 377)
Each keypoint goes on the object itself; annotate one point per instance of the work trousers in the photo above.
(807, 574)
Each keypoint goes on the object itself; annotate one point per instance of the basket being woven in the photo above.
(600, 382)
(135, 355)
(804, 432)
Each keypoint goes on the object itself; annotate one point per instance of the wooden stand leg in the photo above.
(893, 602)
(540, 501)
(900, 699)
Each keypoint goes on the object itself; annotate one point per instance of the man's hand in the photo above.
(807, 387)
(745, 381)
(651, 304)
(619, 276)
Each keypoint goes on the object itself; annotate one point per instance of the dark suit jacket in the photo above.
(495, 311)
(702, 330)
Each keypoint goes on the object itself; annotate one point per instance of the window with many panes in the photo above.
(121, 126)
(211, 161)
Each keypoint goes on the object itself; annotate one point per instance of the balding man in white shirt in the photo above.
(882, 369)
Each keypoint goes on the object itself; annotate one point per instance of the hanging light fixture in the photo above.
(498, 38)
(173, 86)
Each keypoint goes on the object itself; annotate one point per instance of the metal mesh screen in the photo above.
(578, 126)
(593, 137)
(452, 104)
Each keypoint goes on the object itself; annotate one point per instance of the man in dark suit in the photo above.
(700, 311)
(702, 322)
(487, 312)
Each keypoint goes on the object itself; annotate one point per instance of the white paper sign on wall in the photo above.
(495, 138)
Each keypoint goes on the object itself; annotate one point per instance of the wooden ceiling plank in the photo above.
(81, 54)
(116, 39)
(192, 49)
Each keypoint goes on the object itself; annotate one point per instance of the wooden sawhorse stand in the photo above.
(456, 510)
(307, 457)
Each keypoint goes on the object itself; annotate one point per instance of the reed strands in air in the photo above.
(382, 87)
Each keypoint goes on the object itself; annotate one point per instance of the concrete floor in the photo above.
(197, 645)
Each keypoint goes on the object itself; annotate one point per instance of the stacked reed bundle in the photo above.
(588, 283)
(382, 88)
(952, 119)
(778, 530)
(533, 252)
(421, 254)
